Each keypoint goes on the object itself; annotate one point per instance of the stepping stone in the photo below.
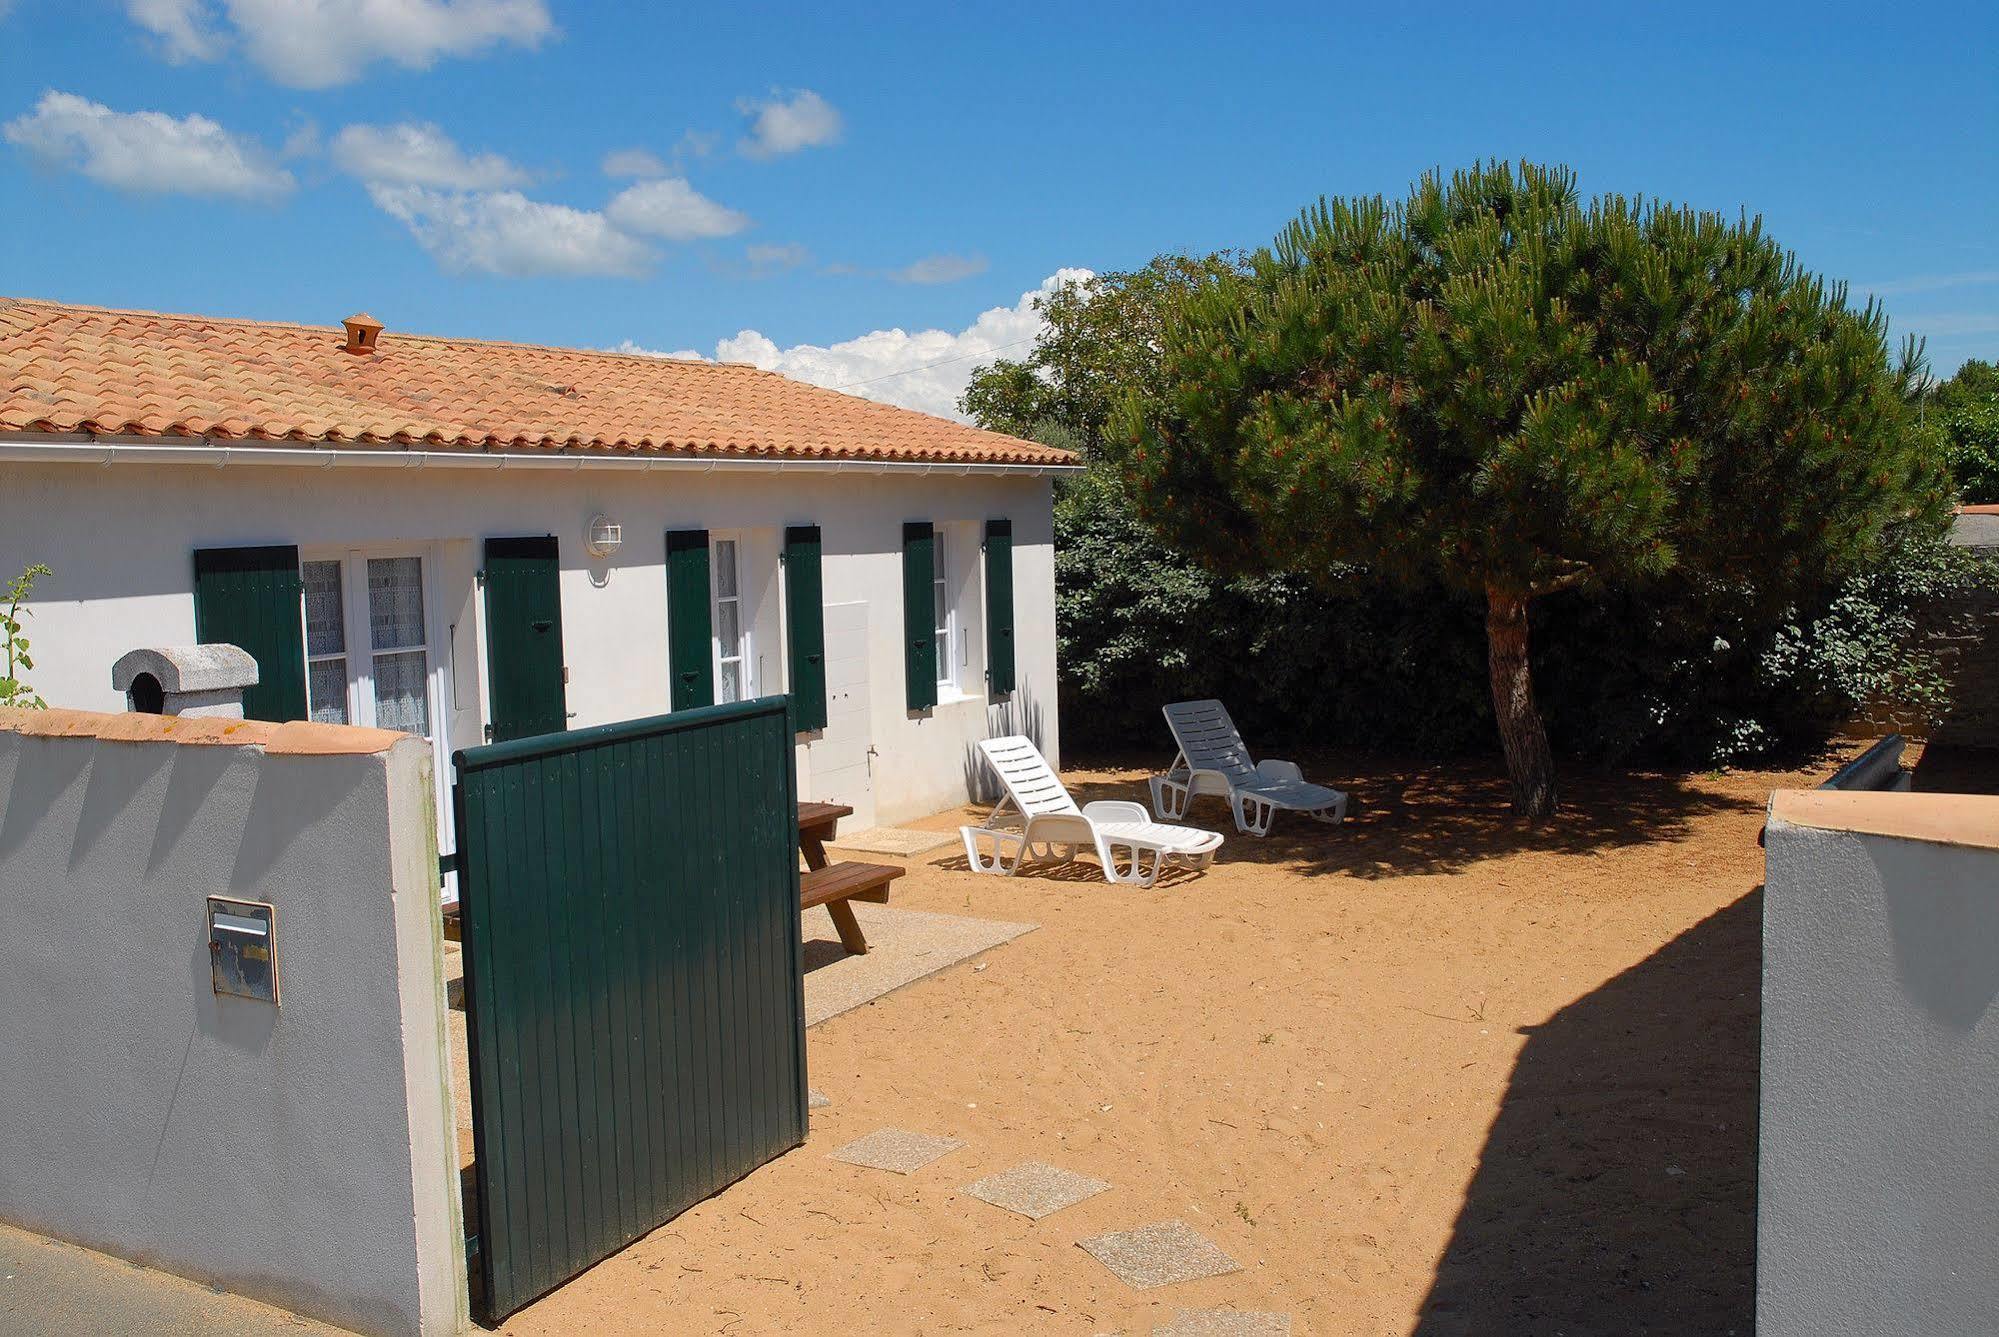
(1159, 1255)
(895, 1149)
(1035, 1190)
(1225, 1323)
(815, 1099)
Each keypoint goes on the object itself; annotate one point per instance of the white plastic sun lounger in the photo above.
(1132, 847)
(1213, 760)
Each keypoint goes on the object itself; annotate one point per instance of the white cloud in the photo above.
(1930, 283)
(302, 142)
(780, 125)
(1954, 324)
(940, 269)
(321, 43)
(925, 370)
(505, 233)
(767, 259)
(674, 210)
(185, 28)
(641, 163)
(147, 150)
(678, 355)
(419, 155)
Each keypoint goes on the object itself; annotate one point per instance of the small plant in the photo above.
(14, 691)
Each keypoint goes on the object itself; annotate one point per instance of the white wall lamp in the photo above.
(605, 537)
(601, 540)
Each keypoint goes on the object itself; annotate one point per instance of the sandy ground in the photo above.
(1430, 1072)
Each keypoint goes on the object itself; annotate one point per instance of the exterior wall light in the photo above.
(604, 538)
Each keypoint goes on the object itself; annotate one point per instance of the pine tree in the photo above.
(1495, 385)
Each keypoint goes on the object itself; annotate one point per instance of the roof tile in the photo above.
(70, 368)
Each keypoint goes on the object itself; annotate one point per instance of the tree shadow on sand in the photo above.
(1617, 1188)
(1407, 817)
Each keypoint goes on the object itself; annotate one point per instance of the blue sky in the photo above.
(847, 197)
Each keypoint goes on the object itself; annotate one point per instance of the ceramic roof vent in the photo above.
(195, 680)
(362, 331)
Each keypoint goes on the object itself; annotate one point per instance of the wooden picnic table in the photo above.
(833, 885)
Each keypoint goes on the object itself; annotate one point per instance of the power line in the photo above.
(940, 362)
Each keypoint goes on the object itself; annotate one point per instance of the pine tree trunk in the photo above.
(1529, 764)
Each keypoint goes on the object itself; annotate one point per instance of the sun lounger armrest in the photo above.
(1279, 770)
(1115, 810)
(1066, 828)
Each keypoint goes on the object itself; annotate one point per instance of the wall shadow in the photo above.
(1409, 817)
(1617, 1189)
(1957, 770)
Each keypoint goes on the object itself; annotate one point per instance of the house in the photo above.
(475, 541)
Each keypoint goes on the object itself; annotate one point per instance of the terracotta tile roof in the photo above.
(139, 373)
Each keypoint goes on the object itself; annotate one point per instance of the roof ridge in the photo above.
(335, 330)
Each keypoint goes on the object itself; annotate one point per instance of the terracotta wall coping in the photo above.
(299, 738)
(1941, 819)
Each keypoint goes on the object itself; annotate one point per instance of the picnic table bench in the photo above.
(833, 885)
(822, 883)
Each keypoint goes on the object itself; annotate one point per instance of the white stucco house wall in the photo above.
(469, 540)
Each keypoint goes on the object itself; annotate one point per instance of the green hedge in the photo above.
(1674, 675)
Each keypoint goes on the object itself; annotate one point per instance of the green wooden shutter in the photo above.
(254, 598)
(806, 614)
(690, 631)
(999, 606)
(524, 638)
(919, 614)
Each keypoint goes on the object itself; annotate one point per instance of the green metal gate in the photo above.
(635, 1008)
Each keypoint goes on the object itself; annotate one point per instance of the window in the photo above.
(946, 620)
(732, 672)
(396, 634)
(325, 643)
(388, 685)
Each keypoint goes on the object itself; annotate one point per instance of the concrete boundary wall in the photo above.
(302, 1154)
(1878, 1173)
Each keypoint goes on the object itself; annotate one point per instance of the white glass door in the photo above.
(371, 654)
(732, 640)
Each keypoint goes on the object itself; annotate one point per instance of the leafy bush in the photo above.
(1678, 674)
(1965, 412)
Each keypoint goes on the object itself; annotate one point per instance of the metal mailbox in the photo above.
(243, 948)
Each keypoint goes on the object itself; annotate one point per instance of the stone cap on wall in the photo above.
(187, 668)
(298, 738)
(1941, 819)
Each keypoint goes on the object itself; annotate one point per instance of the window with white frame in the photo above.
(732, 638)
(367, 644)
(325, 643)
(947, 615)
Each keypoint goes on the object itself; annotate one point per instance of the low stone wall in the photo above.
(301, 1153)
(1965, 631)
(1968, 627)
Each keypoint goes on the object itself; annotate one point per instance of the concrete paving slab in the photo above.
(1159, 1255)
(1225, 1323)
(903, 947)
(895, 1149)
(1035, 1189)
(50, 1289)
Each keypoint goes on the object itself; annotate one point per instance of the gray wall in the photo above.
(1878, 1181)
(301, 1154)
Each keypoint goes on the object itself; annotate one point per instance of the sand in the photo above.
(1430, 1072)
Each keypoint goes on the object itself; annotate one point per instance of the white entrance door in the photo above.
(842, 760)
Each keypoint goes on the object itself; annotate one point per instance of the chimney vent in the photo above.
(362, 331)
